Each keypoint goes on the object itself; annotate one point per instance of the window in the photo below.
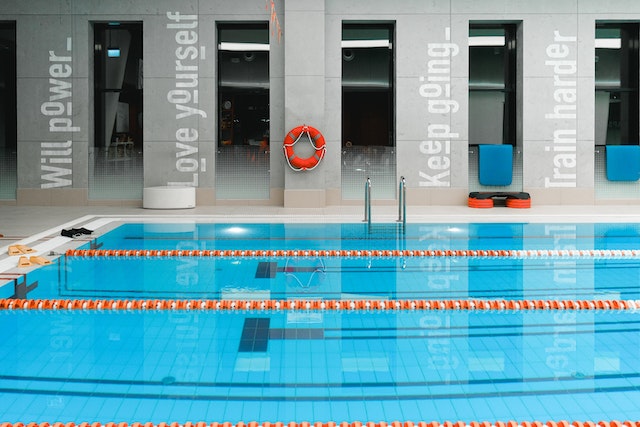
(368, 113)
(8, 117)
(242, 160)
(116, 169)
(495, 162)
(616, 74)
(492, 84)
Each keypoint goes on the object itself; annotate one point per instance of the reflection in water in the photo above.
(407, 365)
(339, 278)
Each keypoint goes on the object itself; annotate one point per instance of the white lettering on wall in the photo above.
(184, 95)
(436, 87)
(564, 111)
(56, 157)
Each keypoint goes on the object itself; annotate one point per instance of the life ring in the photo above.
(317, 142)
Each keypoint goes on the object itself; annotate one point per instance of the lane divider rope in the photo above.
(561, 423)
(300, 304)
(357, 253)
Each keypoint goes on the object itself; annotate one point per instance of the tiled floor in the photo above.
(357, 366)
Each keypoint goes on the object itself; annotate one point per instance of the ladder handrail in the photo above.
(402, 201)
(367, 201)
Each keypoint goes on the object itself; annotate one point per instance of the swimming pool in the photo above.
(155, 366)
(257, 363)
(347, 277)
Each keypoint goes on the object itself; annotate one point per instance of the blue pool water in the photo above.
(331, 278)
(347, 278)
(377, 236)
(318, 366)
(166, 366)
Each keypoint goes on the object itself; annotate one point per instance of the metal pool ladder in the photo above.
(402, 202)
(367, 201)
(399, 229)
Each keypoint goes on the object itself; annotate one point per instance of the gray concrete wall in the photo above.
(55, 92)
(304, 95)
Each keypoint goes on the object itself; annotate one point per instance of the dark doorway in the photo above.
(8, 115)
(368, 113)
(118, 110)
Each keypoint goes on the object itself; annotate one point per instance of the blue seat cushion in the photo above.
(495, 164)
(623, 162)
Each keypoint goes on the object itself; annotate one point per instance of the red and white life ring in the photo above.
(315, 138)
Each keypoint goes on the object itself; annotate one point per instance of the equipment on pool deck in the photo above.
(486, 199)
(24, 262)
(317, 142)
(75, 232)
(39, 260)
(495, 164)
(495, 168)
(19, 250)
(623, 162)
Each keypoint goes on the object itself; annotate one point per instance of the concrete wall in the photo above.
(55, 92)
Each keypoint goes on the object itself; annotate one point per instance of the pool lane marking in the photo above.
(310, 294)
(357, 253)
(132, 393)
(315, 305)
(309, 385)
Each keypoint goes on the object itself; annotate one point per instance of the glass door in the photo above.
(243, 151)
(115, 157)
(368, 110)
(8, 116)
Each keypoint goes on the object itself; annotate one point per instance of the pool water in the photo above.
(326, 278)
(312, 365)
(347, 278)
(318, 366)
(191, 235)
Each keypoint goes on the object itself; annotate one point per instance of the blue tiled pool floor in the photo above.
(342, 278)
(318, 366)
(164, 366)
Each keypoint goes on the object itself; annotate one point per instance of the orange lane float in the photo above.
(510, 423)
(316, 304)
(359, 253)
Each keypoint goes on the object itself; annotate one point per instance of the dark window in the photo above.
(616, 73)
(243, 84)
(492, 84)
(118, 83)
(243, 153)
(8, 116)
(368, 110)
(367, 85)
(118, 101)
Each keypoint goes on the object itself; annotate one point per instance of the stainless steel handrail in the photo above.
(367, 201)
(402, 201)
